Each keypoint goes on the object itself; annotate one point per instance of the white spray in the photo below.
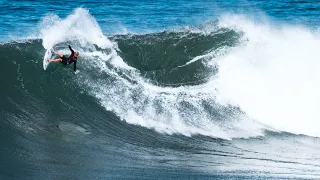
(273, 77)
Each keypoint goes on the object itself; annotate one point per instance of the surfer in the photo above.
(64, 60)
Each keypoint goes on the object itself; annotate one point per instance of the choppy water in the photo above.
(166, 90)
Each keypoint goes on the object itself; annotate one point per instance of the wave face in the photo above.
(165, 99)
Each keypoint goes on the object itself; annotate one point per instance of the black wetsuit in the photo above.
(70, 59)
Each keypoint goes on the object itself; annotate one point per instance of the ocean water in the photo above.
(165, 90)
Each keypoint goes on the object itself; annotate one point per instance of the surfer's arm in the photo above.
(70, 48)
(75, 67)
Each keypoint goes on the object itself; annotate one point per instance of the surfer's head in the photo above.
(76, 54)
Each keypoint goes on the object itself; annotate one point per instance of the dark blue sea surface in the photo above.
(21, 18)
(164, 90)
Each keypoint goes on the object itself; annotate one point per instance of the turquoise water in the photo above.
(21, 18)
(165, 90)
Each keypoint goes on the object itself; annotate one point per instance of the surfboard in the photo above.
(47, 55)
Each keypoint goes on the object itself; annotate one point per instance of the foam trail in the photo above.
(273, 77)
(197, 59)
(208, 56)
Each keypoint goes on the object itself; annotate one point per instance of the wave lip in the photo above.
(76, 26)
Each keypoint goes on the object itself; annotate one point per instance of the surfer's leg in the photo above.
(55, 60)
(57, 53)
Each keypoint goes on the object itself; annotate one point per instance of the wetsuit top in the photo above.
(72, 59)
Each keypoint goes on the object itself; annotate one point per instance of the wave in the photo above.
(227, 79)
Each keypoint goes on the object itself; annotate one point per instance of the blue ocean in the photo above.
(164, 90)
